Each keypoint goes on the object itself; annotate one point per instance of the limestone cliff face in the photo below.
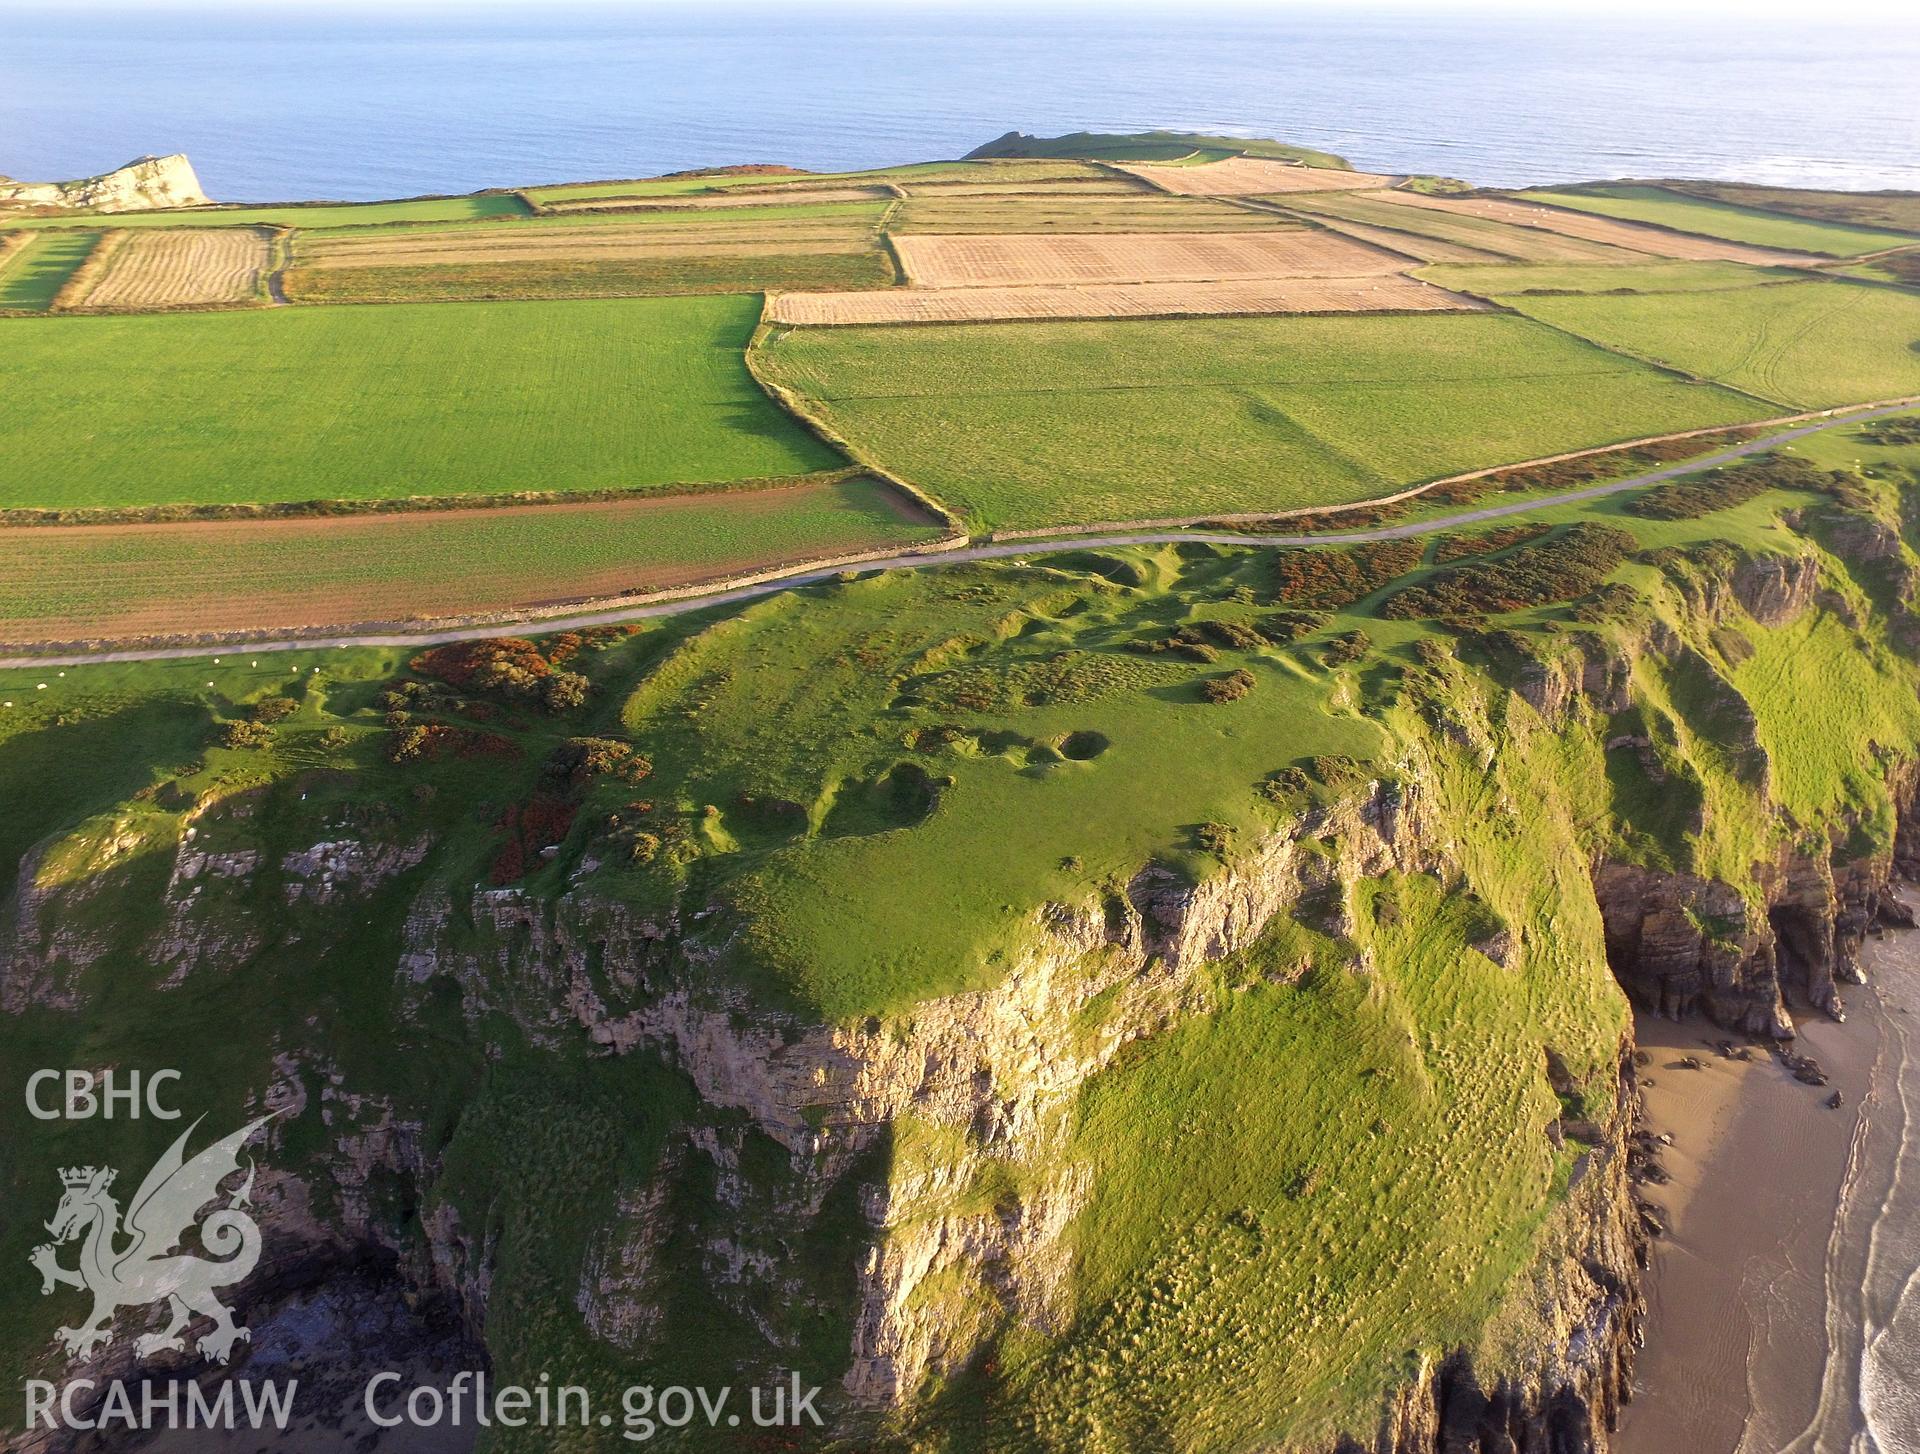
(984, 1077)
(142, 184)
(949, 1123)
(1680, 944)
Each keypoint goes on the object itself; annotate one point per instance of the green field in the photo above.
(67, 583)
(297, 214)
(1720, 219)
(1807, 344)
(590, 278)
(1152, 146)
(1493, 280)
(369, 403)
(1035, 424)
(31, 276)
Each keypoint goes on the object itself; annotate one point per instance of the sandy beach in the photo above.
(1785, 1270)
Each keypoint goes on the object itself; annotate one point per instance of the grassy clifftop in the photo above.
(1151, 146)
(1147, 997)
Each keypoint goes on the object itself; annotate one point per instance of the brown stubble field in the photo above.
(1390, 292)
(1014, 211)
(1253, 177)
(181, 267)
(985, 260)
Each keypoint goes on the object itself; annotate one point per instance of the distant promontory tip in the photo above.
(141, 185)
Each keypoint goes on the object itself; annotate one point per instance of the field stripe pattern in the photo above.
(182, 267)
(76, 582)
(1605, 230)
(1253, 176)
(986, 260)
(1388, 293)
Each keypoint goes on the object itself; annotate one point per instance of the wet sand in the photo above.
(1762, 1301)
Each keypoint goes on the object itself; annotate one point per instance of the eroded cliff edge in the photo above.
(905, 1198)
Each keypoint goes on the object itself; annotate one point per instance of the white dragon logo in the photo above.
(147, 1268)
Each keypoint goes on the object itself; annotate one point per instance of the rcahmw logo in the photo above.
(132, 1261)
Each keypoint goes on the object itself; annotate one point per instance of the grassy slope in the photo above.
(1312, 1178)
(1808, 345)
(299, 214)
(1151, 146)
(1719, 219)
(99, 581)
(1040, 424)
(299, 404)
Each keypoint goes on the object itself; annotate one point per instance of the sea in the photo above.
(344, 100)
(1869, 1400)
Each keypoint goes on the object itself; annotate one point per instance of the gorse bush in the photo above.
(1327, 579)
(1722, 489)
(1485, 542)
(1561, 568)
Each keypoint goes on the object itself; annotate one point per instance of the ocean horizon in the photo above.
(350, 105)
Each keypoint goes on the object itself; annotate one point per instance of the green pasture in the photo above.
(370, 403)
(32, 276)
(1805, 345)
(1023, 425)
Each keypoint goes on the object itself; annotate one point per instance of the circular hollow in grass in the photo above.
(1083, 746)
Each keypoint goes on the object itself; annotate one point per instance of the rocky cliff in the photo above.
(903, 1196)
(141, 185)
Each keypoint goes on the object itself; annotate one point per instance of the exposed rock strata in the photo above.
(142, 184)
(1680, 943)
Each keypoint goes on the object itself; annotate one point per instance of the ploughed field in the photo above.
(1253, 177)
(1147, 328)
(61, 583)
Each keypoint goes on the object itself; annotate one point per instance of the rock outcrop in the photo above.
(141, 185)
(1681, 944)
